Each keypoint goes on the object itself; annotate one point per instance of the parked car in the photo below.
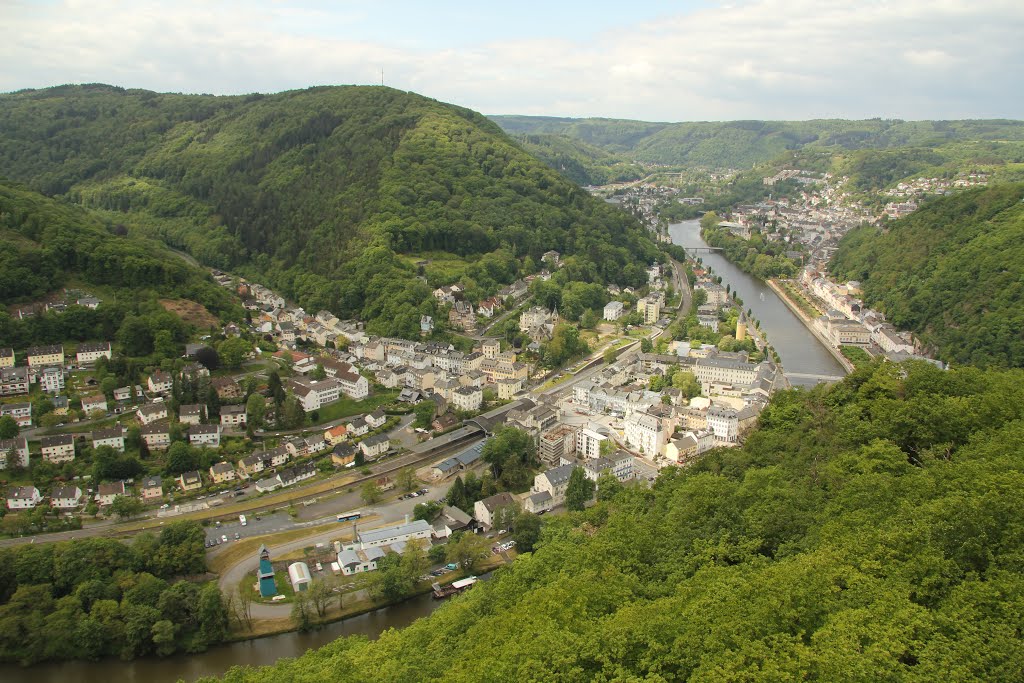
(224, 538)
(237, 536)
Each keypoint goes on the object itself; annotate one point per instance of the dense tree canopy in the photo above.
(953, 272)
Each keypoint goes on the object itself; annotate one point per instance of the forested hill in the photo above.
(952, 271)
(870, 532)
(329, 194)
(741, 144)
(50, 245)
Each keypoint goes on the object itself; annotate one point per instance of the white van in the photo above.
(241, 518)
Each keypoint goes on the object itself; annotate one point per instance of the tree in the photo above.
(318, 373)
(608, 486)
(163, 637)
(424, 413)
(126, 507)
(233, 351)
(208, 358)
(467, 550)
(8, 427)
(370, 492)
(320, 596)
(686, 382)
(291, 414)
(276, 388)
(406, 478)
(301, 609)
(527, 531)
(610, 355)
(255, 407)
(181, 458)
(579, 490)
(646, 345)
(245, 598)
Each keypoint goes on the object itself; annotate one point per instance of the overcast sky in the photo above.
(654, 60)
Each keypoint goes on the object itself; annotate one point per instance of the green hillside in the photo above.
(320, 192)
(871, 532)
(953, 272)
(579, 161)
(51, 245)
(741, 144)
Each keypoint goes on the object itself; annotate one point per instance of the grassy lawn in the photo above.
(801, 301)
(347, 406)
(856, 355)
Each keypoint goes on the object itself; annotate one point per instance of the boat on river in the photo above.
(453, 588)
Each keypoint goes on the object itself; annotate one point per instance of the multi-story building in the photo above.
(93, 403)
(645, 433)
(314, 394)
(6, 358)
(352, 383)
(554, 482)
(620, 464)
(490, 348)
(23, 498)
(191, 413)
(157, 435)
(152, 488)
(21, 412)
(14, 381)
(557, 443)
(113, 437)
(468, 398)
(151, 412)
(66, 498)
(160, 382)
(233, 416)
(588, 443)
(206, 436)
(91, 352)
(41, 356)
(13, 452)
(106, 493)
(190, 481)
(613, 310)
(222, 472)
(724, 370)
(51, 379)
(58, 449)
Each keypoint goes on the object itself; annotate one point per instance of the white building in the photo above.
(486, 511)
(151, 412)
(89, 353)
(206, 436)
(613, 310)
(14, 452)
(58, 449)
(93, 403)
(588, 443)
(353, 561)
(51, 380)
(645, 433)
(113, 437)
(468, 398)
(554, 482)
(314, 394)
(232, 416)
(417, 529)
(160, 382)
(23, 498)
(298, 574)
(66, 498)
(620, 464)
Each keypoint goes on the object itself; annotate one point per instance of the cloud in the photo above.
(763, 59)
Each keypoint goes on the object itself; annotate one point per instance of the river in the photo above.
(217, 660)
(800, 351)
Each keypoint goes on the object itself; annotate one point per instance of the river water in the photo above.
(800, 351)
(217, 660)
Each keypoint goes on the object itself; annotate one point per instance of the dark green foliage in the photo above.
(578, 161)
(867, 532)
(953, 272)
(100, 597)
(316, 192)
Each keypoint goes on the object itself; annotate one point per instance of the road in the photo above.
(384, 514)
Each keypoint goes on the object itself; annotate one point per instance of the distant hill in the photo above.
(579, 161)
(50, 245)
(741, 144)
(329, 194)
(952, 271)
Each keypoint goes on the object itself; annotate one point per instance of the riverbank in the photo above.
(809, 324)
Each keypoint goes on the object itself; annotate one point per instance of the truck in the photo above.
(241, 520)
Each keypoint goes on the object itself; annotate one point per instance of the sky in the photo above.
(692, 60)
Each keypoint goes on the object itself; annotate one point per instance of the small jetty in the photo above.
(442, 592)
